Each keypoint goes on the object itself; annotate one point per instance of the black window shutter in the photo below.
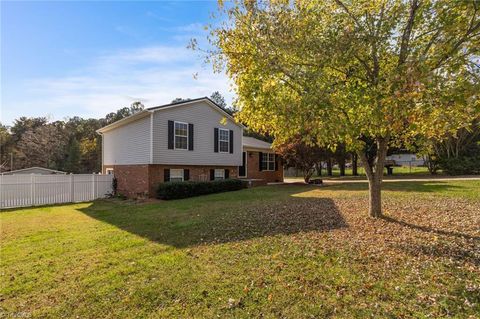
(170, 135)
(260, 159)
(166, 175)
(215, 140)
(212, 174)
(227, 173)
(186, 174)
(231, 142)
(190, 137)
(277, 164)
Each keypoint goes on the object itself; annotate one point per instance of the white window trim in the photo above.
(228, 140)
(175, 135)
(268, 161)
(109, 171)
(179, 170)
(215, 174)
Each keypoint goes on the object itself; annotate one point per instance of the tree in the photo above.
(43, 146)
(123, 112)
(301, 155)
(218, 98)
(72, 161)
(457, 154)
(6, 148)
(179, 99)
(367, 74)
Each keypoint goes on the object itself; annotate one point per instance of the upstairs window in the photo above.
(223, 140)
(181, 136)
(268, 162)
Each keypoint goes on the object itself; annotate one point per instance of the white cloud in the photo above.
(154, 75)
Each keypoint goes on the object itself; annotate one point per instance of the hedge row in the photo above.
(177, 190)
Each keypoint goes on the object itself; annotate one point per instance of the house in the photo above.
(33, 170)
(406, 159)
(189, 140)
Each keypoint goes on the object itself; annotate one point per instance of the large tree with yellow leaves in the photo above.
(367, 73)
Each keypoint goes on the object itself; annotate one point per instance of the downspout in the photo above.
(151, 138)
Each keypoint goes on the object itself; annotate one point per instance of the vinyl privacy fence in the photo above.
(32, 190)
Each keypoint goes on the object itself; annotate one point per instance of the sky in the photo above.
(62, 59)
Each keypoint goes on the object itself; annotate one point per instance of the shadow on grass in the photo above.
(221, 218)
(429, 229)
(444, 249)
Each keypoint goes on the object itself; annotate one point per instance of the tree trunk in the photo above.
(375, 198)
(354, 165)
(307, 174)
(329, 167)
(341, 165)
(374, 174)
(319, 169)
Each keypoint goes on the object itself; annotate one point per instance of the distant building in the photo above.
(34, 170)
(406, 159)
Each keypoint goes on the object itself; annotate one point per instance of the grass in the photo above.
(279, 251)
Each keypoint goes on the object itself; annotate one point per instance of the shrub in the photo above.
(177, 190)
(462, 165)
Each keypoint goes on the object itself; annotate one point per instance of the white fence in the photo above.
(33, 190)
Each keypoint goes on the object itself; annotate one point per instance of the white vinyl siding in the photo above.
(128, 144)
(268, 162)
(204, 119)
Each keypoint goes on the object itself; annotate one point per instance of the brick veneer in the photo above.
(142, 180)
(253, 172)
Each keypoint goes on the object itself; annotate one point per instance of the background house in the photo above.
(34, 170)
(188, 140)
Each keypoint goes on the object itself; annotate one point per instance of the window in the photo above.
(109, 171)
(219, 174)
(181, 136)
(176, 175)
(268, 162)
(223, 140)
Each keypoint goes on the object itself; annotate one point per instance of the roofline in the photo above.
(124, 121)
(143, 113)
(244, 147)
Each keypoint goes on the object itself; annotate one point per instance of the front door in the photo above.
(242, 170)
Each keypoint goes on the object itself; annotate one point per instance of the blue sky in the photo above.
(61, 59)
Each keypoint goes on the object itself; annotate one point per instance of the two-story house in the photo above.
(189, 140)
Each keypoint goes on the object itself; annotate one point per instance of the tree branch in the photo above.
(404, 46)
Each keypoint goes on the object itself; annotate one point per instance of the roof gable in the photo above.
(149, 110)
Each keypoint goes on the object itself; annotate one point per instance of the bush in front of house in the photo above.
(177, 190)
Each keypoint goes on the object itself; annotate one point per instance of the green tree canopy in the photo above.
(369, 74)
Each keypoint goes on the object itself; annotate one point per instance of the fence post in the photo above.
(32, 189)
(94, 193)
(72, 189)
(2, 204)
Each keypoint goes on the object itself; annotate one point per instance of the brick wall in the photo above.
(197, 173)
(142, 180)
(132, 180)
(254, 173)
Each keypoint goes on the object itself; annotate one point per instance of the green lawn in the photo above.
(276, 252)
